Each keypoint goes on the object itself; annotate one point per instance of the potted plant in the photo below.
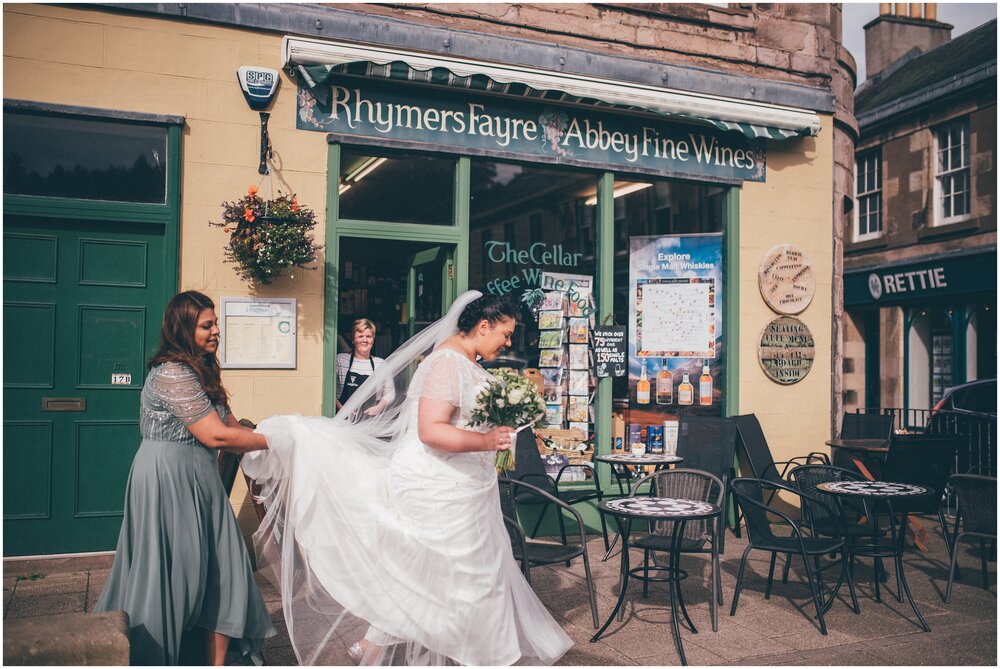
(267, 236)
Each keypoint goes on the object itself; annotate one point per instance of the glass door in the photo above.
(401, 286)
(430, 286)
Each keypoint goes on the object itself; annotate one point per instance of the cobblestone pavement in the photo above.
(776, 631)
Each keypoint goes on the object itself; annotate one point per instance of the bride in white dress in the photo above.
(385, 533)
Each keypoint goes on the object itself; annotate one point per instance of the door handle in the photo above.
(64, 404)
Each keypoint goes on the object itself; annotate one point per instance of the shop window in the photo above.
(981, 343)
(88, 159)
(400, 188)
(535, 228)
(868, 193)
(653, 208)
(931, 360)
(952, 183)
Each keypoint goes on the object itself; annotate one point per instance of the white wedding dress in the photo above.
(389, 539)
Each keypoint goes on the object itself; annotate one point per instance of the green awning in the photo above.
(316, 61)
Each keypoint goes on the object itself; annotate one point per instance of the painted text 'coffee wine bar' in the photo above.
(375, 113)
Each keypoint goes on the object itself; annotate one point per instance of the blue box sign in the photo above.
(374, 112)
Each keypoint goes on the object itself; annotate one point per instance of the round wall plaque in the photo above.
(786, 350)
(786, 278)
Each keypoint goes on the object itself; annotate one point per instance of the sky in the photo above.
(964, 16)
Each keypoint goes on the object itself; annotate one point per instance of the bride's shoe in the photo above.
(356, 653)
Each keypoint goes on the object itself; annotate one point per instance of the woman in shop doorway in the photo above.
(355, 367)
(181, 568)
(386, 532)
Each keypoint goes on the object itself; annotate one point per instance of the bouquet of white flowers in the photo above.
(510, 400)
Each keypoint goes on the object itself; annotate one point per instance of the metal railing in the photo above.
(976, 434)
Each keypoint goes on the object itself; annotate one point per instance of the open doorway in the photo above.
(401, 286)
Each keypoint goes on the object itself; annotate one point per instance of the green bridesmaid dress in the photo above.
(181, 562)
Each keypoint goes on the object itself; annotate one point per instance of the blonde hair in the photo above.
(361, 325)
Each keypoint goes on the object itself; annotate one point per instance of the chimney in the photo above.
(894, 33)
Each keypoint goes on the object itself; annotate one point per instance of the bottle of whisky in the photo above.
(705, 387)
(664, 384)
(685, 391)
(642, 387)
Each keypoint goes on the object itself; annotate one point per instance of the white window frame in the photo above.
(868, 195)
(944, 171)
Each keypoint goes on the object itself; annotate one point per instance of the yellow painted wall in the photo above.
(794, 206)
(94, 58)
(77, 56)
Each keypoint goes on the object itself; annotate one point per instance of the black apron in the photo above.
(353, 381)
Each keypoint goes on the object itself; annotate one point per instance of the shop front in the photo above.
(594, 216)
(665, 207)
(935, 316)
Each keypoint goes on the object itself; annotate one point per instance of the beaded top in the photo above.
(172, 399)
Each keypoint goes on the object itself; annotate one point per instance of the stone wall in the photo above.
(789, 42)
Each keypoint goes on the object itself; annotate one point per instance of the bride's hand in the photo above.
(498, 439)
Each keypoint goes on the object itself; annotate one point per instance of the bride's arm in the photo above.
(435, 429)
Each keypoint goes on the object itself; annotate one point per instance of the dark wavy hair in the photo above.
(492, 308)
(180, 319)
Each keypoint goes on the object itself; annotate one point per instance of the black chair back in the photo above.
(866, 426)
(754, 453)
(528, 463)
(749, 494)
(806, 478)
(708, 444)
(921, 459)
(684, 483)
(977, 502)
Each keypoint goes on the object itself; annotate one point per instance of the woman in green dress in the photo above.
(181, 569)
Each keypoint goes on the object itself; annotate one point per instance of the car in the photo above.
(974, 398)
(969, 412)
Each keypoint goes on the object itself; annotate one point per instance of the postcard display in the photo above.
(565, 317)
(676, 362)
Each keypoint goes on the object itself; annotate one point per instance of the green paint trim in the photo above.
(402, 231)
(463, 196)
(331, 292)
(731, 288)
(605, 295)
(172, 233)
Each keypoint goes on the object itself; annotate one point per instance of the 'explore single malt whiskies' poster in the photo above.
(675, 326)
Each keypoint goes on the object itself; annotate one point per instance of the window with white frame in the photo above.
(952, 183)
(868, 195)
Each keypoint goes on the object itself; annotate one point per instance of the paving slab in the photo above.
(777, 631)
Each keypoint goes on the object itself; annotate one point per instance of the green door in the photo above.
(82, 307)
(430, 286)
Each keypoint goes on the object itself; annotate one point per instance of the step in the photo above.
(67, 639)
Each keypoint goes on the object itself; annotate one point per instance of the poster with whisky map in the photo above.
(675, 356)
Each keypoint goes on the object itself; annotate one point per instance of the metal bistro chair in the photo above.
(861, 426)
(925, 460)
(755, 456)
(529, 468)
(806, 478)
(531, 552)
(709, 445)
(700, 536)
(977, 515)
(750, 495)
(229, 466)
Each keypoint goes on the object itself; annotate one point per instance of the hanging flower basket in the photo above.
(267, 236)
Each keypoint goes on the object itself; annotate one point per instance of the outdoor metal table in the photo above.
(680, 511)
(865, 453)
(628, 459)
(874, 492)
(859, 448)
